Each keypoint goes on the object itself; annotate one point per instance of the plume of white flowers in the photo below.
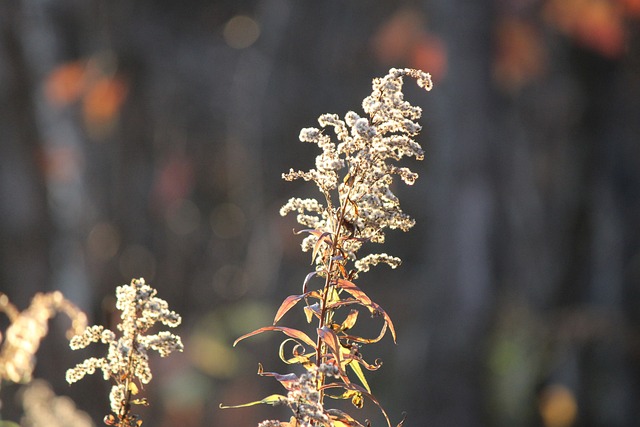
(127, 359)
(355, 173)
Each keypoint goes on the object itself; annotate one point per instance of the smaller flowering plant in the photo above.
(127, 360)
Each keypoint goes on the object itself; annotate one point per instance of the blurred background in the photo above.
(147, 139)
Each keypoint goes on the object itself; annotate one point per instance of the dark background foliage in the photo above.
(147, 138)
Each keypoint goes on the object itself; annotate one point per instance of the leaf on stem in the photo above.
(353, 364)
(349, 389)
(274, 399)
(286, 305)
(312, 310)
(287, 380)
(350, 321)
(293, 333)
(299, 354)
(365, 301)
(341, 419)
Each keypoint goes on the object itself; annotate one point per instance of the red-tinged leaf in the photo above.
(333, 342)
(307, 279)
(313, 231)
(343, 270)
(363, 340)
(331, 339)
(319, 234)
(287, 380)
(274, 399)
(286, 305)
(324, 238)
(356, 292)
(293, 333)
(364, 300)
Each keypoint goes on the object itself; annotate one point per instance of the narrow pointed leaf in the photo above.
(273, 399)
(287, 380)
(364, 299)
(364, 392)
(293, 333)
(324, 238)
(286, 305)
(355, 366)
(350, 321)
(307, 279)
(330, 338)
(312, 310)
(340, 418)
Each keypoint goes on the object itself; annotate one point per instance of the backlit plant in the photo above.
(354, 175)
(127, 360)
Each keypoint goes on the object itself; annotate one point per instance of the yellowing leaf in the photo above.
(273, 399)
(355, 366)
(311, 310)
(133, 388)
(350, 321)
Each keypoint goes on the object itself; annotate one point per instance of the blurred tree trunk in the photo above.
(24, 222)
(458, 289)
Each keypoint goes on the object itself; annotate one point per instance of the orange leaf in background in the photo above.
(601, 28)
(596, 24)
(404, 38)
(394, 39)
(632, 8)
(65, 83)
(520, 55)
(429, 53)
(103, 100)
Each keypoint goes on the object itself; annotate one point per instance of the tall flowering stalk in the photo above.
(354, 175)
(127, 360)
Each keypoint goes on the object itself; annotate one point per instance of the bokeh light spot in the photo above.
(558, 406)
(103, 241)
(241, 32)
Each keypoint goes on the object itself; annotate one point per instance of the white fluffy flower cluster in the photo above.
(360, 167)
(127, 357)
(304, 400)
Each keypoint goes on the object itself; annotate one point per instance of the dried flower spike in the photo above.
(354, 174)
(127, 360)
